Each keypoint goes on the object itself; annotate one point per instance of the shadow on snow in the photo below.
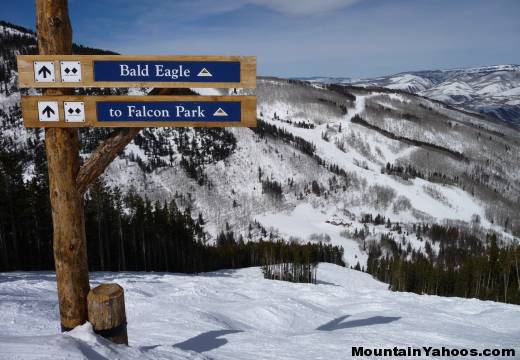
(206, 341)
(338, 323)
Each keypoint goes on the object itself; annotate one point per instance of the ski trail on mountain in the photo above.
(358, 109)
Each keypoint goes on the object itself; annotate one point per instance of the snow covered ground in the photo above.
(239, 315)
(304, 222)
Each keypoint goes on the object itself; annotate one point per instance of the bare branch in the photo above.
(110, 148)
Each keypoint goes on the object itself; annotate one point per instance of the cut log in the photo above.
(106, 312)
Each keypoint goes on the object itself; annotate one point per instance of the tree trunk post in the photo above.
(62, 147)
(68, 182)
(106, 312)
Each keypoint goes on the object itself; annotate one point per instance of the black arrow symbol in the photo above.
(44, 70)
(48, 110)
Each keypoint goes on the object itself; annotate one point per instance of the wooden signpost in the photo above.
(95, 71)
(138, 111)
(61, 113)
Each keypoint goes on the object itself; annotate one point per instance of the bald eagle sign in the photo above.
(69, 71)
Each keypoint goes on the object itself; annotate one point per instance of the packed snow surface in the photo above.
(239, 315)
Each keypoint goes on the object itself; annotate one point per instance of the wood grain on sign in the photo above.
(27, 77)
(31, 116)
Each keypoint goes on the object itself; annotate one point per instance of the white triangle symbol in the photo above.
(220, 112)
(204, 73)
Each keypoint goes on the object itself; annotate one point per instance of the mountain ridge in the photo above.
(489, 89)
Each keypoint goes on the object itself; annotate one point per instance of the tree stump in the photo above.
(106, 312)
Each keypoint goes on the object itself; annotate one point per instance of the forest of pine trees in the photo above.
(464, 266)
(126, 232)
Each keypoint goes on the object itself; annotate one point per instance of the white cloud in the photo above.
(304, 7)
(190, 9)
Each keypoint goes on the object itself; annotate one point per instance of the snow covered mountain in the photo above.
(321, 159)
(239, 315)
(350, 165)
(493, 90)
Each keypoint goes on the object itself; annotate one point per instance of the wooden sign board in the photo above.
(120, 71)
(138, 111)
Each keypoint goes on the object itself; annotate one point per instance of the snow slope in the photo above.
(240, 315)
(366, 151)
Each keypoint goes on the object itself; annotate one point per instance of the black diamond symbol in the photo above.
(70, 111)
(74, 70)
(67, 70)
(78, 111)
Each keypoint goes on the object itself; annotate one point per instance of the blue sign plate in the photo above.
(168, 111)
(167, 71)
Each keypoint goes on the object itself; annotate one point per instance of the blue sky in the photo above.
(354, 38)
